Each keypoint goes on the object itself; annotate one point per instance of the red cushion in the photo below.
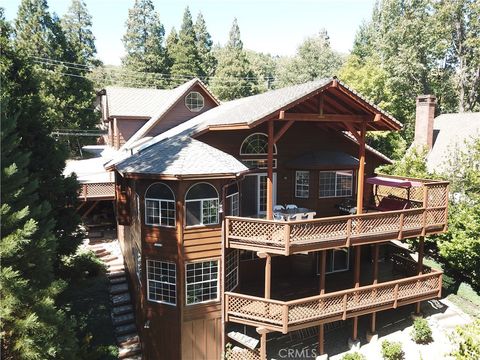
(391, 204)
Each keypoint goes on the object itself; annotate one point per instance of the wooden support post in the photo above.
(321, 330)
(268, 275)
(375, 281)
(420, 267)
(270, 171)
(263, 342)
(356, 276)
(361, 169)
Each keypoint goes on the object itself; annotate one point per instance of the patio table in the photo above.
(287, 213)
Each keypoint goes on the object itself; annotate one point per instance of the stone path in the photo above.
(122, 313)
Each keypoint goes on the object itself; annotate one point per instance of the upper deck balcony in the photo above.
(425, 213)
(97, 191)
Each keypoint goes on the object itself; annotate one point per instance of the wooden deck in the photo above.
(289, 237)
(285, 316)
(97, 191)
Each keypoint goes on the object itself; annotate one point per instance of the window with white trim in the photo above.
(159, 205)
(256, 144)
(231, 270)
(335, 183)
(201, 203)
(162, 281)
(137, 258)
(302, 184)
(201, 281)
(194, 101)
(233, 200)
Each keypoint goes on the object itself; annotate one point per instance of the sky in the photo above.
(277, 27)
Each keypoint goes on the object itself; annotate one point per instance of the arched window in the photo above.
(201, 203)
(159, 205)
(256, 144)
(194, 101)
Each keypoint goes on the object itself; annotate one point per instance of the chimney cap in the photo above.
(426, 99)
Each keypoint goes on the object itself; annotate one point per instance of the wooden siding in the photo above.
(201, 243)
(180, 113)
(202, 339)
(122, 194)
(126, 128)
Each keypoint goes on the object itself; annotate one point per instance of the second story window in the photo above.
(201, 203)
(302, 184)
(194, 101)
(233, 201)
(159, 205)
(335, 183)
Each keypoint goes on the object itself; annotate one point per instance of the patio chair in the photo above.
(278, 216)
(309, 215)
(278, 207)
(291, 206)
(295, 217)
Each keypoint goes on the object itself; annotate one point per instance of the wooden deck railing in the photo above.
(97, 191)
(287, 237)
(286, 316)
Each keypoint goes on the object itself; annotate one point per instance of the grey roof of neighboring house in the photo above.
(323, 160)
(133, 102)
(181, 156)
(450, 133)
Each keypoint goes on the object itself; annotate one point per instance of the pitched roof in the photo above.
(173, 97)
(133, 102)
(181, 156)
(324, 159)
(450, 133)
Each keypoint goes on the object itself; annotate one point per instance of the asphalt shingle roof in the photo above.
(181, 156)
(450, 133)
(134, 102)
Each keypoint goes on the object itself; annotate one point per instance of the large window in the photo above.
(233, 200)
(256, 144)
(335, 183)
(201, 203)
(162, 282)
(302, 183)
(194, 101)
(231, 270)
(159, 205)
(201, 281)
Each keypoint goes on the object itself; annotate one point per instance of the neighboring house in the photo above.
(443, 135)
(210, 255)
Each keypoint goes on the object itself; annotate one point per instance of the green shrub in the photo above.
(81, 265)
(421, 332)
(392, 350)
(354, 356)
(467, 341)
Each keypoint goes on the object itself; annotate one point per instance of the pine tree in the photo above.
(143, 43)
(77, 25)
(234, 77)
(204, 47)
(171, 43)
(31, 326)
(186, 59)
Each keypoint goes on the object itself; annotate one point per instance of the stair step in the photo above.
(118, 288)
(129, 350)
(110, 258)
(115, 267)
(122, 309)
(116, 274)
(135, 357)
(128, 339)
(121, 299)
(101, 251)
(123, 319)
(118, 280)
(125, 329)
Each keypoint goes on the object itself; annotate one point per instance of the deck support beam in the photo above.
(263, 342)
(271, 139)
(375, 251)
(361, 169)
(356, 276)
(420, 268)
(321, 329)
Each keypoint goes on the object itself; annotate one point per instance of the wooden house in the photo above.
(257, 214)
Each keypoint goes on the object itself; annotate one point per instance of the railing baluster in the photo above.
(395, 296)
(344, 316)
(287, 239)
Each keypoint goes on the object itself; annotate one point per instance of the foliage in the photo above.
(421, 332)
(81, 265)
(392, 350)
(143, 42)
(353, 356)
(467, 341)
(315, 59)
(412, 164)
(186, 58)
(264, 69)
(233, 77)
(204, 47)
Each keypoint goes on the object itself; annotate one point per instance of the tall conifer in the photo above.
(204, 47)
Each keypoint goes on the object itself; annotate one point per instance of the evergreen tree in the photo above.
(204, 47)
(315, 59)
(234, 77)
(186, 59)
(264, 68)
(171, 43)
(144, 47)
(77, 25)
(31, 326)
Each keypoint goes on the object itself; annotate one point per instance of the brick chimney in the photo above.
(424, 120)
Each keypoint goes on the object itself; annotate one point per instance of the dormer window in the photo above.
(194, 101)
